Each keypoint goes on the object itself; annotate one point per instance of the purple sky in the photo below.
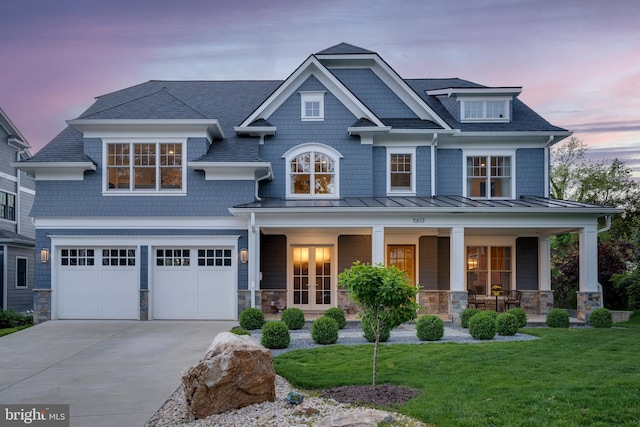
(578, 61)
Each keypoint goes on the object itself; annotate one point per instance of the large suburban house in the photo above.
(17, 232)
(197, 199)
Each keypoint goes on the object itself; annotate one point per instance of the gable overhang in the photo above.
(525, 139)
(225, 171)
(119, 128)
(15, 138)
(56, 171)
(389, 76)
(512, 91)
(310, 67)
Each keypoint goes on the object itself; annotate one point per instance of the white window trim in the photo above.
(142, 140)
(489, 153)
(485, 119)
(311, 96)
(496, 241)
(402, 150)
(318, 148)
(15, 207)
(26, 272)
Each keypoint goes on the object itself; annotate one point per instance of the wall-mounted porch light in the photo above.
(244, 255)
(44, 256)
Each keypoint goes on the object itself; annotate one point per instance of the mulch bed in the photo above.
(380, 395)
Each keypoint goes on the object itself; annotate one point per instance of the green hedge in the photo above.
(13, 319)
(239, 331)
(275, 335)
(293, 317)
(429, 328)
(506, 324)
(601, 318)
(557, 318)
(338, 315)
(467, 314)
(520, 314)
(370, 336)
(482, 326)
(324, 330)
(251, 318)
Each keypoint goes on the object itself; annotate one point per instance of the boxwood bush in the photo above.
(338, 315)
(467, 314)
(601, 318)
(239, 331)
(275, 335)
(251, 318)
(482, 326)
(557, 318)
(13, 319)
(506, 324)
(429, 328)
(369, 336)
(293, 317)
(520, 314)
(324, 330)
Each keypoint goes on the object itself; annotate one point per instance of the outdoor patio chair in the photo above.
(513, 299)
(473, 300)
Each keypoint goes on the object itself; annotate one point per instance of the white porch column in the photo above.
(377, 244)
(544, 265)
(457, 295)
(254, 259)
(456, 260)
(589, 295)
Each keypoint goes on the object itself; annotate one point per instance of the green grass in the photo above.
(8, 331)
(569, 377)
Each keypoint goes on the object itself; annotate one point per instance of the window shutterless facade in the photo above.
(484, 110)
(140, 167)
(312, 106)
(312, 171)
(401, 178)
(22, 273)
(489, 177)
(7, 206)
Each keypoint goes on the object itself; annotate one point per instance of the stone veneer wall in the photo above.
(273, 300)
(144, 304)
(433, 302)
(587, 302)
(244, 299)
(457, 302)
(41, 305)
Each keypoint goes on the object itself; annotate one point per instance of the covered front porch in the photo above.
(297, 251)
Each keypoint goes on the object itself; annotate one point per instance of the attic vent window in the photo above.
(484, 110)
(312, 106)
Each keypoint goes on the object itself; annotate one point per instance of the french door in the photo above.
(311, 286)
(403, 257)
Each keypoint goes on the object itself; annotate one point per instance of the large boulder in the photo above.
(235, 372)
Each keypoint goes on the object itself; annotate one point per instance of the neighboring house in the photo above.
(17, 232)
(197, 199)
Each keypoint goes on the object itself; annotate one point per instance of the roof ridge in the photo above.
(122, 103)
(165, 89)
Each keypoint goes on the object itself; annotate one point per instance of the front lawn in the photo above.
(7, 331)
(569, 377)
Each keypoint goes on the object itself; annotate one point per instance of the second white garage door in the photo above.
(194, 283)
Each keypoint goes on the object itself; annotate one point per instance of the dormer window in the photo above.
(312, 106)
(312, 171)
(484, 110)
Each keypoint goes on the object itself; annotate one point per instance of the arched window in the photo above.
(312, 171)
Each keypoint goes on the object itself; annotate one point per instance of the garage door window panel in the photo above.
(119, 257)
(77, 257)
(173, 257)
(214, 257)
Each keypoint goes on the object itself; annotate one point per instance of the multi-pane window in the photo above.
(7, 206)
(172, 257)
(312, 106)
(21, 273)
(119, 257)
(400, 172)
(144, 166)
(484, 110)
(312, 174)
(489, 176)
(77, 257)
(488, 266)
(214, 257)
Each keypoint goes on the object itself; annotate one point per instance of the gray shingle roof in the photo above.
(344, 49)
(68, 146)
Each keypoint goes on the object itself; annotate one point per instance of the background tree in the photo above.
(385, 295)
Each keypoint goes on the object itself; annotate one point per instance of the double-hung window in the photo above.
(7, 206)
(312, 106)
(145, 167)
(401, 177)
(489, 176)
(312, 171)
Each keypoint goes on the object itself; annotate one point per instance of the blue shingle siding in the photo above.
(527, 263)
(353, 248)
(292, 131)
(144, 267)
(423, 172)
(530, 172)
(449, 172)
(374, 93)
(273, 261)
(379, 171)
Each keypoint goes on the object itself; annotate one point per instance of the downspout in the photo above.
(547, 165)
(18, 197)
(262, 178)
(434, 144)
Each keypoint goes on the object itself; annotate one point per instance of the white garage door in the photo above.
(97, 283)
(194, 283)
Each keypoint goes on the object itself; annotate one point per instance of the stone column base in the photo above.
(144, 304)
(546, 301)
(457, 303)
(41, 305)
(587, 302)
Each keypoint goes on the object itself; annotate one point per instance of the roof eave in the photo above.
(56, 171)
(105, 128)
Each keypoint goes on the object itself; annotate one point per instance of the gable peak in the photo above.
(344, 49)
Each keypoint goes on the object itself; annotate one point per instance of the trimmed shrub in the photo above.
(482, 326)
(251, 318)
(429, 328)
(520, 314)
(324, 330)
(13, 319)
(633, 294)
(506, 324)
(338, 315)
(293, 317)
(557, 318)
(467, 314)
(601, 318)
(369, 335)
(239, 331)
(275, 335)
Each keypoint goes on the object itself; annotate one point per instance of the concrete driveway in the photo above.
(111, 373)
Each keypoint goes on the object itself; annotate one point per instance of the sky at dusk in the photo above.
(578, 61)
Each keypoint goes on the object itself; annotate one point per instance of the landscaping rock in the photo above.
(235, 372)
(304, 409)
(364, 418)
